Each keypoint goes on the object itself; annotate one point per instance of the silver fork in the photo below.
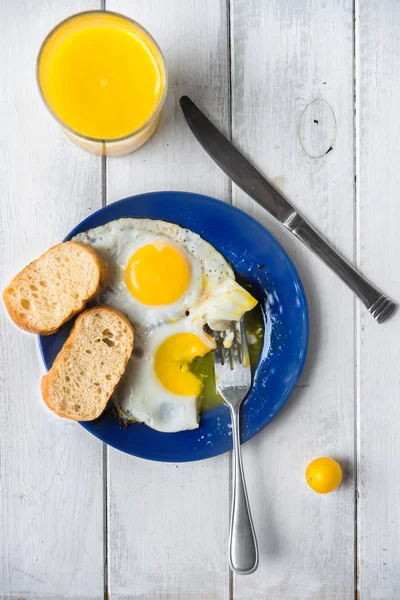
(233, 381)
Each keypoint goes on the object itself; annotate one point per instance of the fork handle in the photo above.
(243, 550)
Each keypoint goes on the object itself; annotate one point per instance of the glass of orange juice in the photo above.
(103, 78)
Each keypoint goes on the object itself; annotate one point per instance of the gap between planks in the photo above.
(357, 310)
(105, 447)
(230, 184)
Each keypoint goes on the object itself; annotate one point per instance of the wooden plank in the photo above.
(50, 471)
(378, 184)
(168, 524)
(292, 104)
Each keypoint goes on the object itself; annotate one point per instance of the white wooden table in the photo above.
(310, 90)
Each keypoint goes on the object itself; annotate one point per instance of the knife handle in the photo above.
(377, 304)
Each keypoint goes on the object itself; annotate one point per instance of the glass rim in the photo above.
(159, 104)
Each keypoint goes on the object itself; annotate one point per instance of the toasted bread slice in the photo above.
(55, 287)
(89, 366)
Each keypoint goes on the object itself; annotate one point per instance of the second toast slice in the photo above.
(90, 365)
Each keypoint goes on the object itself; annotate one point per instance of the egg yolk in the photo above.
(158, 275)
(171, 363)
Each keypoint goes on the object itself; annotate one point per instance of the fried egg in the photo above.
(170, 283)
(158, 269)
(158, 387)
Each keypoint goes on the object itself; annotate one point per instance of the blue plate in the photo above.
(258, 258)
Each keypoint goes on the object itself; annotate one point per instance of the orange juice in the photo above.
(103, 78)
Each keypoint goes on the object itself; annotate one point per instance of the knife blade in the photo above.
(250, 180)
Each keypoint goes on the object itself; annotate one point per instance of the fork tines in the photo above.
(232, 365)
(232, 346)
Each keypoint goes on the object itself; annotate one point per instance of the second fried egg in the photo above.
(158, 387)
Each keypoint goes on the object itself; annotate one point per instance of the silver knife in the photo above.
(242, 172)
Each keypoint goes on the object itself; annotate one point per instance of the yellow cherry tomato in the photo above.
(324, 475)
